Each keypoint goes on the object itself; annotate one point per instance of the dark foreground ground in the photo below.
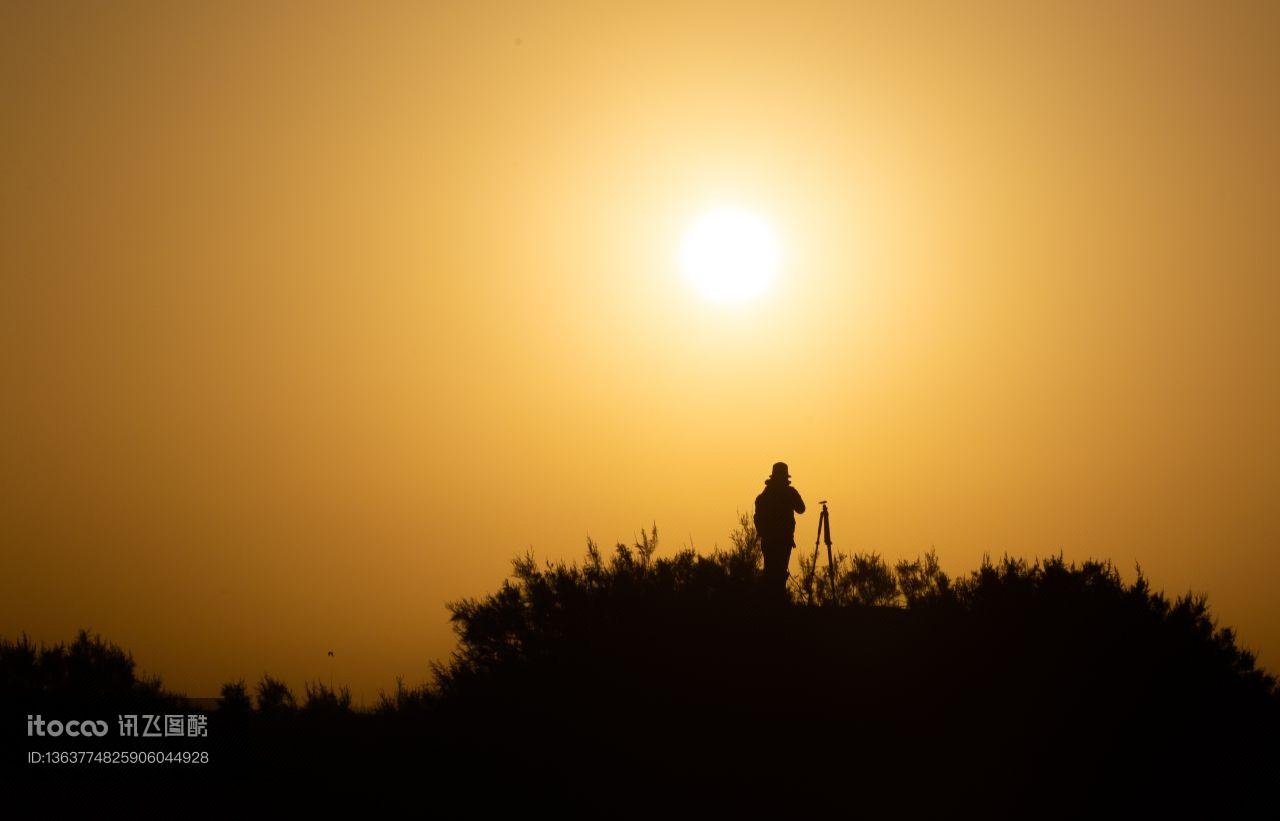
(635, 691)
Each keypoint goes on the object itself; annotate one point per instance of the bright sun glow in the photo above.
(730, 255)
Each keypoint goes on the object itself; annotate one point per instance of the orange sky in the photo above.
(314, 315)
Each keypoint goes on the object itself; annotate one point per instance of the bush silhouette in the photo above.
(322, 700)
(274, 697)
(1023, 687)
(87, 671)
(1040, 674)
(235, 699)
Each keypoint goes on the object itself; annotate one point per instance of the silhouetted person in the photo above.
(776, 525)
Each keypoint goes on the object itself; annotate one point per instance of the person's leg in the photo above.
(777, 556)
(766, 549)
(784, 561)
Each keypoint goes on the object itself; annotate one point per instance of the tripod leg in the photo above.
(831, 565)
(813, 568)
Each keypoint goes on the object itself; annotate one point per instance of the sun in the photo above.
(730, 255)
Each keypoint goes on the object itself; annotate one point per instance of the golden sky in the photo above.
(313, 315)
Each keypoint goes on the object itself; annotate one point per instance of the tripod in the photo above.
(824, 530)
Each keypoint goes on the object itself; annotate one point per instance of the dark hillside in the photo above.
(641, 681)
(1020, 681)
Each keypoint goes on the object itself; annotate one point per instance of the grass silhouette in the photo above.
(1039, 687)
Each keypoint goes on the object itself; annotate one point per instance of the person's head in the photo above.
(780, 473)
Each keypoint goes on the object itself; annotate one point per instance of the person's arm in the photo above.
(799, 503)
